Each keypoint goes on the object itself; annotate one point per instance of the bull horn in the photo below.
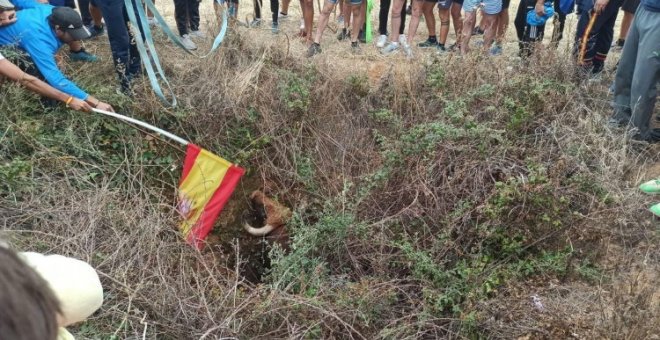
(263, 231)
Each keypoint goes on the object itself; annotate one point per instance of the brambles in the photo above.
(426, 209)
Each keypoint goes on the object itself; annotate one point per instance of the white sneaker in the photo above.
(382, 40)
(402, 39)
(408, 50)
(187, 42)
(282, 16)
(152, 21)
(302, 25)
(197, 34)
(391, 48)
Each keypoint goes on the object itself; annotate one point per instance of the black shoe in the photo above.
(428, 43)
(96, 31)
(313, 50)
(409, 10)
(343, 34)
(355, 47)
(362, 37)
(477, 31)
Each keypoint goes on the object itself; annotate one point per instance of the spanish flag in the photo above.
(206, 184)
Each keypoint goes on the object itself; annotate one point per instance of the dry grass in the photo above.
(421, 192)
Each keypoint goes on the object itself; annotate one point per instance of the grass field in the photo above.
(439, 197)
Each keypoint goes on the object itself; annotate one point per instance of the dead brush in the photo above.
(417, 197)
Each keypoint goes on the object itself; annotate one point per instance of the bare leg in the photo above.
(456, 18)
(427, 10)
(347, 13)
(343, 9)
(357, 21)
(468, 27)
(414, 21)
(444, 25)
(97, 17)
(625, 24)
(285, 6)
(502, 24)
(395, 18)
(489, 29)
(323, 20)
(308, 17)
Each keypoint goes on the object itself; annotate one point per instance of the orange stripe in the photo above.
(585, 38)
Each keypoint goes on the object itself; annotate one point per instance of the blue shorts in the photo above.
(490, 7)
(353, 2)
(444, 4)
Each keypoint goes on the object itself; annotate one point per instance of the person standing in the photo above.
(274, 9)
(383, 14)
(638, 74)
(595, 32)
(186, 15)
(125, 54)
(629, 8)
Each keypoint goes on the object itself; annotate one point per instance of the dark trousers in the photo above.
(83, 6)
(528, 35)
(384, 14)
(274, 8)
(124, 49)
(186, 14)
(600, 38)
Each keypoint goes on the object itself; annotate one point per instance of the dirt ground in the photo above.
(339, 53)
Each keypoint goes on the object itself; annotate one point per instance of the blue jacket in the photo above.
(32, 33)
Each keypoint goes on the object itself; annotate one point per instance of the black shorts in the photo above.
(630, 6)
(460, 2)
(505, 4)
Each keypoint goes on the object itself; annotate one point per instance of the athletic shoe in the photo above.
(340, 19)
(313, 50)
(655, 209)
(382, 40)
(152, 21)
(355, 47)
(391, 48)
(188, 43)
(477, 31)
(453, 47)
(441, 49)
(479, 43)
(362, 37)
(618, 45)
(651, 187)
(282, 16)
(255, 23)
(408, 50)
(496, 50)
(402, 39)
(83, 55)
(275, 28)
(343, 34)
(428, 43)
(96, 31)
(409, 10)
(197, 34)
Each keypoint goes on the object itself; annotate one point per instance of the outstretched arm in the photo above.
(11, 71)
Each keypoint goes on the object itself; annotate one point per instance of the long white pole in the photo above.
(144, 125)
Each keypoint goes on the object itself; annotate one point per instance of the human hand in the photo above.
(80, 105)
(7, 17)
(539, 9)
(105, 107)
(600, 5)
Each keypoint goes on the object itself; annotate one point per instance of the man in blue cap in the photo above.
(40, 31)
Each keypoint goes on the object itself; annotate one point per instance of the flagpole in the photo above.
(144, 125)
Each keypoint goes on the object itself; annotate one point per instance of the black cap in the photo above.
(69, 21)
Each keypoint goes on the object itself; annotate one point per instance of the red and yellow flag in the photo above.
(206, 184)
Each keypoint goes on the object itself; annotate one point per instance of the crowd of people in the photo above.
(41, 27)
